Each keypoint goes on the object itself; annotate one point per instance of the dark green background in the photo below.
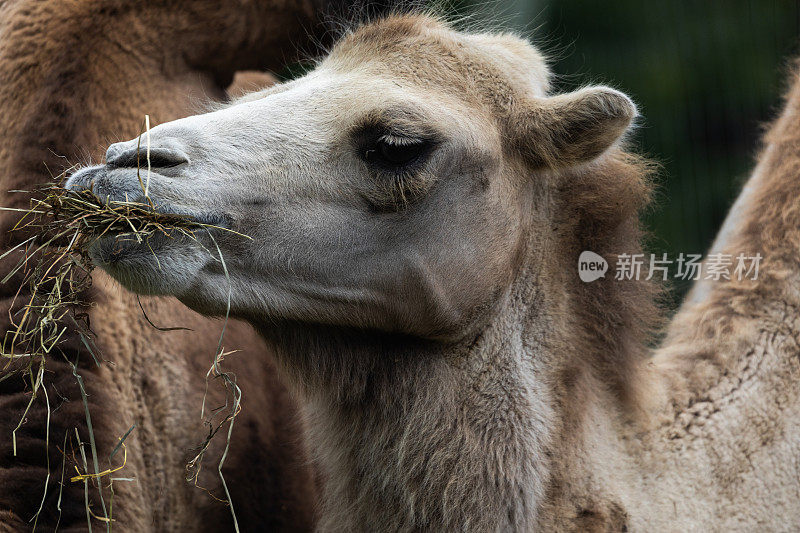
(706, 75)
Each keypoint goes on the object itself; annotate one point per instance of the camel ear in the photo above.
(573, 128)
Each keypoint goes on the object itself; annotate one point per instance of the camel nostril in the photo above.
(115, 150)
(137, 157)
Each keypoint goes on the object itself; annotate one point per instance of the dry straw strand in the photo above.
(56, 269)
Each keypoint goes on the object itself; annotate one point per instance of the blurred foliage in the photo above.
(707, 76)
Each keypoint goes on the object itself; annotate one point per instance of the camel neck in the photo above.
(437, 435)
(426, 434)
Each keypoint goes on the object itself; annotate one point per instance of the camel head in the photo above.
(395, 187)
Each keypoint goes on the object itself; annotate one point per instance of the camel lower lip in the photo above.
(212, 219)
(221, 220)
(111, 249)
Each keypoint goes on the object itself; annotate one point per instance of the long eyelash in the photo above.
(398, 140)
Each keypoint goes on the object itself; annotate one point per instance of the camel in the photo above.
(74, 76)
(416, 207)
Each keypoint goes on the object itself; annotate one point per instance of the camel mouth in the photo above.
(113, 249)
(117, 242)
(131, 193)
(125, 187)
(207, 219)
(117, 250)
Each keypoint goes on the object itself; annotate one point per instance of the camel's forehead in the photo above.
(422, 51)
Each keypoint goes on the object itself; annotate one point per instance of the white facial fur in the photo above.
(334, 238)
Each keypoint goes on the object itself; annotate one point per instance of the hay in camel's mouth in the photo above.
(51, 303)
(112, 229)
(54, 263)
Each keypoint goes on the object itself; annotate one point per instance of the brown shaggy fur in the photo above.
(75, 75)
(767, 222)
(731, 361)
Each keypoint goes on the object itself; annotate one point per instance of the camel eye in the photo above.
(395, 153)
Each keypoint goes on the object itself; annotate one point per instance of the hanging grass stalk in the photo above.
(55, 268)
(55, 265)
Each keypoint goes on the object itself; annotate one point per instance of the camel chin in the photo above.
(161, 265)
